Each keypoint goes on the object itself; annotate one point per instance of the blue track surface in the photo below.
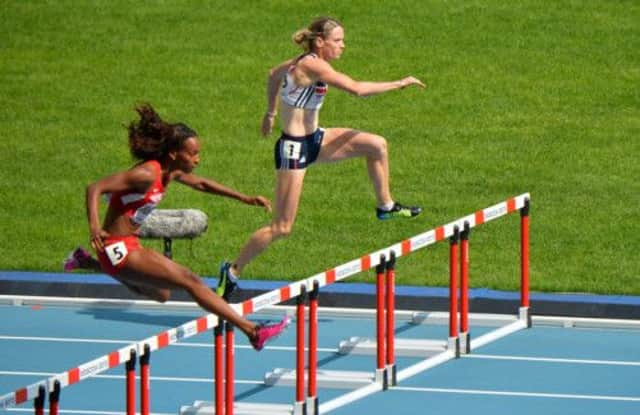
(533, 371)
(350, 288)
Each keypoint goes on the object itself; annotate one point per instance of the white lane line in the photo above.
(82, 411)
(125, 342)
(555, 360)
(65, 339)
(122, 377)
(518, 394)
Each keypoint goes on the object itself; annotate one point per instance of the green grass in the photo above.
(537, 96)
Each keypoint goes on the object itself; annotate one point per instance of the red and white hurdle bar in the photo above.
(403, 248)
(285, 293)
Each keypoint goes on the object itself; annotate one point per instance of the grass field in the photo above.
(537, 96)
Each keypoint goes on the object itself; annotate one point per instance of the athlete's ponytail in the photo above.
(319, 28)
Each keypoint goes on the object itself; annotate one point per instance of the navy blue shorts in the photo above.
(293, 153)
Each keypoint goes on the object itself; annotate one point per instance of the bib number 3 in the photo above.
(116, 252)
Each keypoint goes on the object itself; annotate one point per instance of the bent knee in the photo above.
(379, 146)
(162, 295)
(281, 229)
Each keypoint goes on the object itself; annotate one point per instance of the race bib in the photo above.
(116, 252)
(291, 149)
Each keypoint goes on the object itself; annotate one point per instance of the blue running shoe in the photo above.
(227, 284)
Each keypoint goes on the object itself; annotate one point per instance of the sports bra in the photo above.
(309, 97)
(137, 206)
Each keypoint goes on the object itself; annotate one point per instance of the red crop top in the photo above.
(138, 206)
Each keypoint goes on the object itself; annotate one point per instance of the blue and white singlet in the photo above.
(309, 97)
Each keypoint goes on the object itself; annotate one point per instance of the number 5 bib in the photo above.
(116, 252)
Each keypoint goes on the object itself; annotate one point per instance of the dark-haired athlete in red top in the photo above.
(167, 152)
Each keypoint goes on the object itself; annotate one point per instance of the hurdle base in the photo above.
(312, 405)
(439, 318)
(402, 347)
(300, 408)
(239, 408)
(453, 344)
(392, 374)
(465, 342)
(525, 315)
(381, 378)
(334, 379)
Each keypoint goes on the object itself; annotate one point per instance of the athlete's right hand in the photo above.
(267, 124)
(410, 80)
(97, 239)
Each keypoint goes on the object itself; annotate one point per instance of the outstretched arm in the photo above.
(210, 186)
(321, 69)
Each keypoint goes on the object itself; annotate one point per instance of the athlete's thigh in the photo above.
(149, 268)
(343, 143)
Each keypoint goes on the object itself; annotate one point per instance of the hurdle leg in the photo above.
(525, 313)
(312, 393)
(130, 368)
(381, 372)
(465, 337)
(229, 369)
(390, 292)
(145, 381)
(454, 341)
(54, 398)
(300, 404)
(167, 248)
(219, 367)
(38, 402)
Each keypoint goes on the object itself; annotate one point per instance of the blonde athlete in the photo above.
(301, 85)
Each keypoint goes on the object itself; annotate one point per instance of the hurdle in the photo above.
(208, 322)
(384, 376)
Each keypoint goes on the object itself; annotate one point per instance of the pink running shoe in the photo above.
(268, 332)
(74, 259)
